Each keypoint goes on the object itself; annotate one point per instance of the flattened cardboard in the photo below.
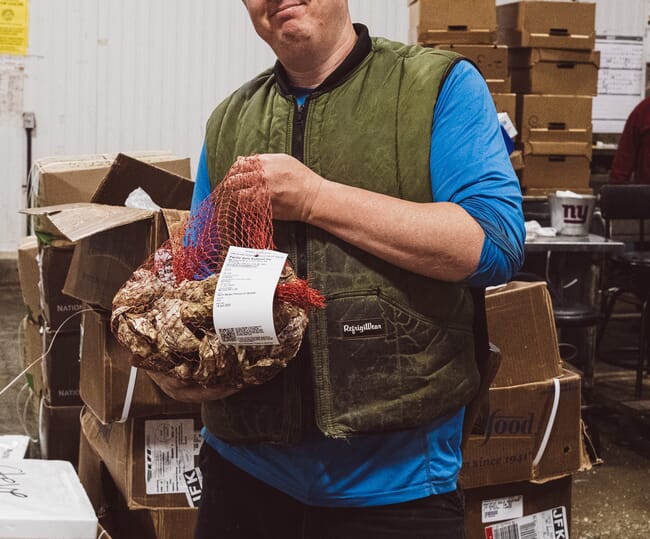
(536, 497)
(53, 264)
(554, 118)
(520, 323)
(518, 418)
(556, 72)
(121, 447)
(450, 21)
(556, 171)
(114, 514)
(492, 60)
(557, 25)
(28, 275)
(105, 370)
(59, 430)
(76, 179)
(61, 368)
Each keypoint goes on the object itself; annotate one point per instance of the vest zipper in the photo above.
(298, 151)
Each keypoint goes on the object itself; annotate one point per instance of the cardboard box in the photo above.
(44, 500)
(57, 307)
(28, 273)
(114, 514)
(554, 71)
(519, 416)
(492, 60)
(59, 431)
(147, 457)
(104, 379)
(506, 102)
(63, 180)
(554, 118)
(60, 368)
(556, 171)
(499, 86)
(520, 323)
(113, 240)
(484, 506)
(517, 160)
(556, 148)
(450, 21)
(557, 25)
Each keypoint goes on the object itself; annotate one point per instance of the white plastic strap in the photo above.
(549, 425)
(128, 398)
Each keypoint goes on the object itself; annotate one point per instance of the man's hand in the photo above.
(293, 186)
(188, 392)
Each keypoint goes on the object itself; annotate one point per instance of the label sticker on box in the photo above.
(551, 524)
(243, 301)
(507, 508)
(169, 452)
(193, 486)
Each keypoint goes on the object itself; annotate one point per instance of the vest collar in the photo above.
(361, 49)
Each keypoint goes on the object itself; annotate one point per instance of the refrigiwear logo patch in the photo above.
(359, 329)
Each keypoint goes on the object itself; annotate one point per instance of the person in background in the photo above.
(631, 162)
(393, 192)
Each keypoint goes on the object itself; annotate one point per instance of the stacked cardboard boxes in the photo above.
(470, 29)
(51, 330)
(554, 71)
(528, 443)
(138, 446)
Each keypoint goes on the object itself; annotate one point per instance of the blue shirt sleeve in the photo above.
(202, 186)
(470, 166)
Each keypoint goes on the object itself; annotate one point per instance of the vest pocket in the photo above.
(388, 367)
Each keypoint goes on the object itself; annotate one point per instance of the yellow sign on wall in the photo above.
(14, 26)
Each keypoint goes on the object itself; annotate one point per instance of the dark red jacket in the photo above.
(632, 160)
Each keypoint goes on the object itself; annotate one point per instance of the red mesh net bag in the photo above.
(163, 313)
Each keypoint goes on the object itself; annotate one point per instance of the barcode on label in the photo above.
(528, 531)
(227, 334)
(506, 531)
(515, 531)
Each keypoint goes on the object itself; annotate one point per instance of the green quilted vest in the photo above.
(392, 349)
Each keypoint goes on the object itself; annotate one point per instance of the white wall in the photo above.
(124, 75)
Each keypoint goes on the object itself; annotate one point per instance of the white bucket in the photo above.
(571, 213)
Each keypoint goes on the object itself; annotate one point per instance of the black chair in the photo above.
(627, 274)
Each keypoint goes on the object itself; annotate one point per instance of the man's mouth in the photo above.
(284, 7)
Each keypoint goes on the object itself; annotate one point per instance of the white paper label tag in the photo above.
(243, 301)
(502, 509)
(169, 452)
(551, 524)
(193, 486)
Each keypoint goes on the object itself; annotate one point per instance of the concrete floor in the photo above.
(612, 500)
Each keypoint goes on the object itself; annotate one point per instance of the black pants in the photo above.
(235, 505)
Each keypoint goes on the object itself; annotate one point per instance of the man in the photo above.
(632, 159)
(392, 217)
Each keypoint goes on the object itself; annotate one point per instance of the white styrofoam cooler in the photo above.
(43, 499)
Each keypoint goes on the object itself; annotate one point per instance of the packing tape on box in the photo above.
(128, 398)
(549, 424)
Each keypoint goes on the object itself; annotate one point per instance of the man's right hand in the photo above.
(187, 391)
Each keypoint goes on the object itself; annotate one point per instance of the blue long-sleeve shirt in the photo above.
(471, 167)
